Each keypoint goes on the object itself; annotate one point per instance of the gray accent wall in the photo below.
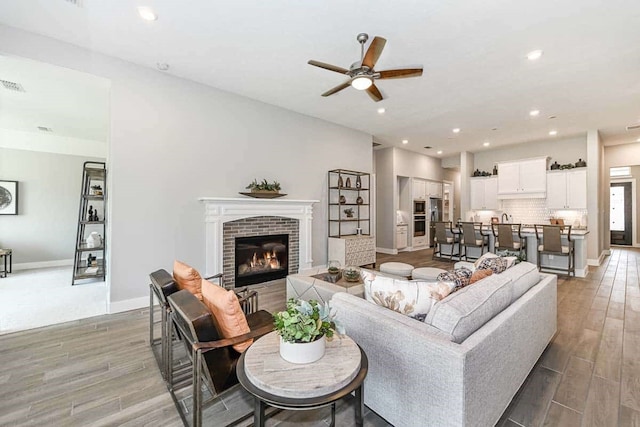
(49, 195)
(174, 140)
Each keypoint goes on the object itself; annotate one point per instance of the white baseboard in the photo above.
(387, 251)
(582, 272)
(43, 264)
(598, 262)
(126, 305)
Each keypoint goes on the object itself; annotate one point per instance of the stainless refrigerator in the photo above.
(435, 214)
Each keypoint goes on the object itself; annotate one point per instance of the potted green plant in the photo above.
(303, 328)
(264, 186)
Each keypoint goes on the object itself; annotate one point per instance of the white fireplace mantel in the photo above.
(219, 210)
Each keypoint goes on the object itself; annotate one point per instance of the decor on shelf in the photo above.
(264, 189)
(343, 200)
(477, 173)
(96, 190)
(94, 240)
(93, 214)
(340, 182)
(349, 212)
(303, 328)
(581, 163)
(358, 182)
(351, 273)
(359, 200)
(8, 197)
(554, 166)
(347, 183)
(495, 169)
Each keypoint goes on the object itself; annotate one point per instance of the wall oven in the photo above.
(419, 225)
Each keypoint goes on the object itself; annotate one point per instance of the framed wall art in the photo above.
(8, 197)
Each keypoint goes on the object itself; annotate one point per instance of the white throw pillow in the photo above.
(483, 257)
(412, 298)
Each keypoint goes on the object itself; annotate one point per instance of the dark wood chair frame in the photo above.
(552, 235)
(437, 249)
(474, 228)
(162, 285)
(507, 241)
(204, 354)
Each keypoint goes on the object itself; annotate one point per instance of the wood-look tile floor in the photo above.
(101, 371)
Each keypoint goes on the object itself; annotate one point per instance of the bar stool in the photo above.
(550, 243)
(445, 236)
(473, 237)
(506, 240)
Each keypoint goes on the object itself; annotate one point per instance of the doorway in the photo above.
(620, 215)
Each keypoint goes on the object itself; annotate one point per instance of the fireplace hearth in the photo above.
(260, 259)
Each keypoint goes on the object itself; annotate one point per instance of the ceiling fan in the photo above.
(362, 73)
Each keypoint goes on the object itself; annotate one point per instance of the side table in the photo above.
(4, 254)
(275, 382)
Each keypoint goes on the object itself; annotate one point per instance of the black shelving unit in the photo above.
(339, 224)
(93, 173)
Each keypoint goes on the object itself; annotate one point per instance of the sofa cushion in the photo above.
(460, 277)
(465, 311)
(524, 276)
(188, 278)
(413, 298)
(226, 310)
(479, 275)
(497, 264)
(483, 257)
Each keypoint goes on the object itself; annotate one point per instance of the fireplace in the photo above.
(261, 258)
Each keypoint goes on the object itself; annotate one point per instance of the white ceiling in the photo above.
(476, 76)
(73, 104)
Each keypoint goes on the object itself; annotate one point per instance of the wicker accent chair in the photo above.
(445, 235)
(213, 359)
(162, 285)
(509, 237)
(473, 237)
(550, 243)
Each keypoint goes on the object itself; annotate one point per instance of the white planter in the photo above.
(306, 352)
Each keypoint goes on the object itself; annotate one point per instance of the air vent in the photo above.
(17, 87)
(44, 129)
(76, 3)
(376, 144)
(633, 127)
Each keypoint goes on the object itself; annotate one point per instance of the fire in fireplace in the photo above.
(261, 258)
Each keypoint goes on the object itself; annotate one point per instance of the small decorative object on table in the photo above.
(349, 212)
(303, 327)
(351, 273)
(333, 267)
(264, 189)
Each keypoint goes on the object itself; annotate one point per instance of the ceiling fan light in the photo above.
(361, 82)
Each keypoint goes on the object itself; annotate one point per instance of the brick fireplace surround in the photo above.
(227, 218)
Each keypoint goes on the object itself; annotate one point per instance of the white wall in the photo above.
(415, 165)
(48, 198)
(562, 150)
(386, 196)
(173, 141)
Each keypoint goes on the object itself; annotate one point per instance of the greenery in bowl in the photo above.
(304, 321)
(264, 186)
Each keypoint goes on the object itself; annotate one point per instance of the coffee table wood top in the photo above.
(266, 370)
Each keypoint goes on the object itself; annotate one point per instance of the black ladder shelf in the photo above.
(93, 174)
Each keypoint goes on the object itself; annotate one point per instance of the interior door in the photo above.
(620, 213)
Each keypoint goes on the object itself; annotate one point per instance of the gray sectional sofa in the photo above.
(465, 363)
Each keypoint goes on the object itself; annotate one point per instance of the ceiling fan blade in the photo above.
(374, 52)
(400, 74)
(374, 93)
(328, 67)
(337, 88)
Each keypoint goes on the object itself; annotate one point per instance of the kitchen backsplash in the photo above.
(534, 211)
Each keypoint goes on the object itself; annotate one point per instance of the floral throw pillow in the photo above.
(497, 264)
(460, 277)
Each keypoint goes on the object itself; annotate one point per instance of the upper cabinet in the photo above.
(434, 189)
(522, 179)
(567, 189)
(419, 189)
(484, 193)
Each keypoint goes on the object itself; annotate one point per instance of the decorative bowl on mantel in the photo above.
(263, 194)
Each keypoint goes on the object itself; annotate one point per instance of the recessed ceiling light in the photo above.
(534, 54)
(147, 13)
(534, 113)
(162, 66)
(486, 144)
(553, 132)
(381, 110)
(638, 140)
(439, 152)
(405, 141)
(552, 117)
(494, 128)
(456, 130)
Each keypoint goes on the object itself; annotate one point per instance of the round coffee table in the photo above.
(275, 382)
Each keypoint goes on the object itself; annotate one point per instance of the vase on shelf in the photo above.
(358, 182)
(359, 200)
(340, 182)
(343, 200)
(348, 183)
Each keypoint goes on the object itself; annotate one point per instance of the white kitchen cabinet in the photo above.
(419, 189)
(567, 189)
(401, 236)
(522, 179)
(420, 241)
(434, 189)
(484, 193)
